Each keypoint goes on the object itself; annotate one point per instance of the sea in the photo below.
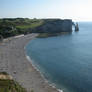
(65, 60)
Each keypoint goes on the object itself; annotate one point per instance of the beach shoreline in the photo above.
(13, 61)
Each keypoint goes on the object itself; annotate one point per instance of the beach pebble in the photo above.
(14, 72)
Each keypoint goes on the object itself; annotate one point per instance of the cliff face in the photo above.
(55, 26)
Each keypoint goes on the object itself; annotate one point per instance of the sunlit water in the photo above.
(65, 60)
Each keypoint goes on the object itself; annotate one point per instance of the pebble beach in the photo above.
(13, 61)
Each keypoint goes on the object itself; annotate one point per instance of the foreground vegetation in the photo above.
(9, 85)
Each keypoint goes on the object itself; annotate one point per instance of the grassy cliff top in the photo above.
(22, 23)
(16, 26)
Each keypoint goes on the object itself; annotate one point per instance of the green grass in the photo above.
(8, 85)
(32, 24)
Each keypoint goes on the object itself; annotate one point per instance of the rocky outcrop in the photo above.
(76, 27)
(55, 26)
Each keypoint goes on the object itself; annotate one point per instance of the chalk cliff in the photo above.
(54, 25)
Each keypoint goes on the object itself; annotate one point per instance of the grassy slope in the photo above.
(31, 25)
(16, 26)
(22, 23)
(9, 85)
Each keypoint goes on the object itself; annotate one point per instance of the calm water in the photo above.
(65, 60)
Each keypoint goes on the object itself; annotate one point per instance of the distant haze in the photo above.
(79, 10)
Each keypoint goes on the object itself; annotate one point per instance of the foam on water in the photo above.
(52, 85)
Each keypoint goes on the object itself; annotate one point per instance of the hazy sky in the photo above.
(74, 9)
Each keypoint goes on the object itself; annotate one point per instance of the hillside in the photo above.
(16, 26)
(7, 84)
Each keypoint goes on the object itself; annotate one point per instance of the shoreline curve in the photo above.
(13, 61)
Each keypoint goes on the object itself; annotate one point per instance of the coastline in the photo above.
(13, 61)
(47, 81)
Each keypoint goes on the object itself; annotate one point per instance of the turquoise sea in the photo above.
(65, 60)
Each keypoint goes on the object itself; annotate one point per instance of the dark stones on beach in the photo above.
(14, 72)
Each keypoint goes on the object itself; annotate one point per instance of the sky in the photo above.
(78, 10)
